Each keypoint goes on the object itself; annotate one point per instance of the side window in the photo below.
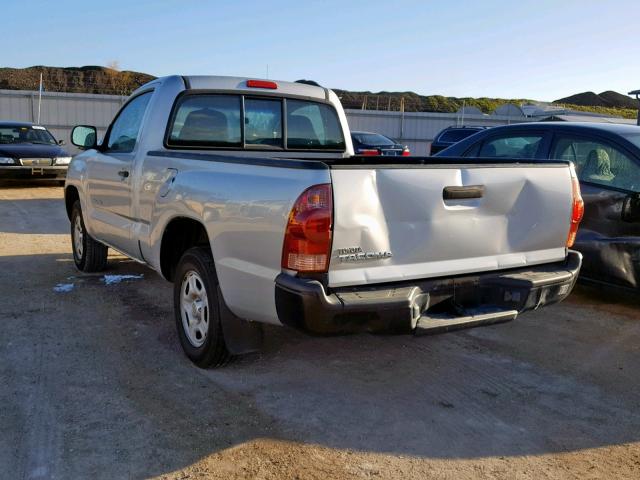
(514, 146)
(125, 129)
(209, 120)
(313, 126)
(263, 122)
(599, 162)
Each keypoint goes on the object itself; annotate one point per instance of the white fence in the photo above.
(61, 111)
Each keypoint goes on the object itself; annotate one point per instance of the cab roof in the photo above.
(210, 82)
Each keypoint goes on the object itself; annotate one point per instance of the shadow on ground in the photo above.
(95, 383)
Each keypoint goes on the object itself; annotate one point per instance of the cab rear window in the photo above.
(207, 120)
(256, 123)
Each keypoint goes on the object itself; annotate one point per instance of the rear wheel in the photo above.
(89, 255)
(196, 304)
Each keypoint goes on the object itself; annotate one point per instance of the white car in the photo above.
(247, 196)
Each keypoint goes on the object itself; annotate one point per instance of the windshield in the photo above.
(453, 136)
(25, 134)
(633, 138)
(373, 139)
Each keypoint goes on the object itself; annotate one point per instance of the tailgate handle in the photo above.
(459, 193)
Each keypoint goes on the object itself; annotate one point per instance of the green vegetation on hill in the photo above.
(420, 103)
(89, 79)
(616, 112)
(608, 99)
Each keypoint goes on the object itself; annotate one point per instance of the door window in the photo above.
(513, 146)
(599, 162)
(125, 129)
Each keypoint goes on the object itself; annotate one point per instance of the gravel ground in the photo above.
(94, 384)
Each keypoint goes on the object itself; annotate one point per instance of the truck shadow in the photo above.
(97, 382)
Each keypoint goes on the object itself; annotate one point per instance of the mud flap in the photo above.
(240, 336)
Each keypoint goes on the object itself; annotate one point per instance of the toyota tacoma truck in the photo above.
(246, 194)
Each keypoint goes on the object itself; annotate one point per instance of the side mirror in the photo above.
(631, 208)
(61, 142)
(84, 137)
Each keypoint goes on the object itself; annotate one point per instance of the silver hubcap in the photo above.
(194, 308)
(78, 237)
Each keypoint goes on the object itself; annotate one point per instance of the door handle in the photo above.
(461, 193)
(123, 173)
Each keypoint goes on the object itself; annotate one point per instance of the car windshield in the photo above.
(453, 136)
(373, 139)
(633, 138)
(25, 134)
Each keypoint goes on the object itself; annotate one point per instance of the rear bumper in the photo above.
(20, 172)
(402, 307)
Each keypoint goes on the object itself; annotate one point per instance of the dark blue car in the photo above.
(451, 135)
(30, 151)
(607, 160)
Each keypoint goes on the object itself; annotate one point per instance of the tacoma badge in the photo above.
(356, 254)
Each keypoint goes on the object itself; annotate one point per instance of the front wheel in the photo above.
(196, 305)
(89, 255)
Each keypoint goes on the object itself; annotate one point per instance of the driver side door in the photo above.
(109, 178)
(609, 179)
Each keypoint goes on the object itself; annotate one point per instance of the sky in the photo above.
(542, 50)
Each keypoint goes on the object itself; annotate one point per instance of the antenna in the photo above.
(267, 71)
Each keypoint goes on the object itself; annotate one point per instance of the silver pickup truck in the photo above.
(247, 196)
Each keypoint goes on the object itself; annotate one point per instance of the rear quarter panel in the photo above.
(244, 209)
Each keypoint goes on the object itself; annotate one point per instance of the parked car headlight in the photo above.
(62, 160)
(7, 161)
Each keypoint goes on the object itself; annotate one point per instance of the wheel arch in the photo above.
(71, 195)
(180, 234)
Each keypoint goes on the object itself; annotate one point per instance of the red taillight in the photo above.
(406, 152)
(368, 151)
(307, 238)
(577, 210)
(262, 84)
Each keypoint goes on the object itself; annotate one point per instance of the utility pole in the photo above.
(39, 98)
(637, 94)
(401, 118)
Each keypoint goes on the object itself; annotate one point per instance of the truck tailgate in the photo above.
(400, 222)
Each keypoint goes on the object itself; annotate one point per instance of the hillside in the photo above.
(104, 80)
(414, 102)
(89, 79)
(608, 99)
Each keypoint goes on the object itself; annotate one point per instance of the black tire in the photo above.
(93, 255)
(208, 350)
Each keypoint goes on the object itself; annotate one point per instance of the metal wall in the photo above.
(61, 111)
(417, 130)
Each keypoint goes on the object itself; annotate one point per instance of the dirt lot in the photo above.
(94, 385)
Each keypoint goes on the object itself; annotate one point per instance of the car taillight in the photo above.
(307, 238)
(406, 152)
(368, 151)
(577, 210)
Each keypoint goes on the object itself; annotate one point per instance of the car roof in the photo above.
(468, 127)
(17, 124)
(215, 82)
(366, 133)
(619, 128)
